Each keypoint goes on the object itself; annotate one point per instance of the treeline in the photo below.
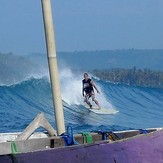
(134, 76)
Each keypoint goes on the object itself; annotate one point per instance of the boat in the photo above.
(131, 146)
(61, 145)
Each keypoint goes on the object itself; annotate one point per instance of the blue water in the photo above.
(138, 107)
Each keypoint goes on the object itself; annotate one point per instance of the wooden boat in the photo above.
(98, 146)
(137, 146)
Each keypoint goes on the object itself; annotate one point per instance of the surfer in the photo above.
(88, 91)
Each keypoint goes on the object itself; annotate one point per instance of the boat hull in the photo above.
(142, 148)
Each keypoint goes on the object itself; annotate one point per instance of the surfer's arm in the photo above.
(82, 89)
(94, 86)
(83, 92)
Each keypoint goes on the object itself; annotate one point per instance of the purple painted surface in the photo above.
(142, 149)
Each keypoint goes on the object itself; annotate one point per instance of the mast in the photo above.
(52, 62)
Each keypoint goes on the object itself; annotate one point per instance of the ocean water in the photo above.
(21, 101)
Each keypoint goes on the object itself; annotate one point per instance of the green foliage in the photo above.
(134, 76)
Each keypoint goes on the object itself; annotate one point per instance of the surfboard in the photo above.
(102, 110)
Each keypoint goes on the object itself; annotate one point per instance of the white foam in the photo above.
(71, 87)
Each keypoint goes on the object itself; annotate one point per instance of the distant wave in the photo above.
(15, 69)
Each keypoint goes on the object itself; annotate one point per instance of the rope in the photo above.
(104, 134)
(87, 137)
(68, 137)
(108, 135)
(114, 136)
(143, 131)
(14, 149)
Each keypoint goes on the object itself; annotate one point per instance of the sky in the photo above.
(82, 25)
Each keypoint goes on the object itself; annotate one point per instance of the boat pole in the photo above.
(52, 62)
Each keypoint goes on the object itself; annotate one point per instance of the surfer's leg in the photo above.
(96, 102)
(87, 101)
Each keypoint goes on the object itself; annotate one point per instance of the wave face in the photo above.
(25, 91)
(138, 107)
